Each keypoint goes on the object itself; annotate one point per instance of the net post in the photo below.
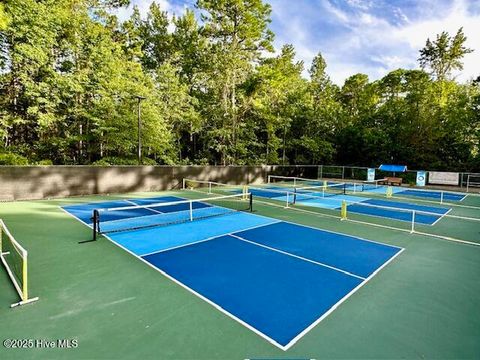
(413, 222)
(441, 197)
(184, 184)
(190, 203)
(250, 200)
(268, 179)
(209, 187)
(288, 199)
(25, 277)
(96, 221)
(344, 211)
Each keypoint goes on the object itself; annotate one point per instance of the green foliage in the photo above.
(12, 159)
(71, 74)
(113, 160)
(44, 162)
(444, 54)
(4, 19)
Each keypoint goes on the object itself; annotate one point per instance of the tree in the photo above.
(314, 133)
(238, 32)
(277, 98)
(444, 55)
(4, 19)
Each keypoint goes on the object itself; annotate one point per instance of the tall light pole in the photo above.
(139, 99)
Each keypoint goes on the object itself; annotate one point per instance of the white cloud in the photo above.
(370, 43)
(360, 4)
(363, 40)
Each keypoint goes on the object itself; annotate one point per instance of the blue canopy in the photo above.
(393, 168)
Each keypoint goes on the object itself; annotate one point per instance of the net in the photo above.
(366, 185)
(294, 181)
(209, 187)
(372, 185)
(14, 258)
(316, 192)
(161, 214)
(284, 196)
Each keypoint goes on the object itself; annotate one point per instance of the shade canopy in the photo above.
(393, 168)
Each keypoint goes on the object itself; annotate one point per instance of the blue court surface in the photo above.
(436, 195)
(427, 215)
(276, 278)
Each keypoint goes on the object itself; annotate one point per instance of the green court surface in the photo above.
(424, 304)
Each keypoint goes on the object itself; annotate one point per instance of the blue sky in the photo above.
(367, 36)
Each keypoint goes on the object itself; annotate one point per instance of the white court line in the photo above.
(215, 305)
(441, 217)
(210, 238)
(395, 219)
(342, 300)
(143, 216)
(97, 202)
(299, 257)
(250, 327)
(149, 209)
(335, 232)
(447, 238)
(75, 217)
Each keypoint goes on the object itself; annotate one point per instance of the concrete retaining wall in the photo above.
(40, 182)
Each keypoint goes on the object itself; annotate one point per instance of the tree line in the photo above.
(72, 74)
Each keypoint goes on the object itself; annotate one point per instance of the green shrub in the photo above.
(44, 162)
(113, 160)
(12, 159)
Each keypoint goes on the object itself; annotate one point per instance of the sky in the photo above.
(372, 37)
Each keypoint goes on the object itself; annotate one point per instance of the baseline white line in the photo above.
(75, 217)
(335, 232)
(210, 238)
(392, 218)
(248, 326)
(463, 242)
(382, 196)
(143, 216)
(299, 257)
(441, 217)
(338, 303)
(215, 305)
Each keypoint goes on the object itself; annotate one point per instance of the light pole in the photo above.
(139, 99)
